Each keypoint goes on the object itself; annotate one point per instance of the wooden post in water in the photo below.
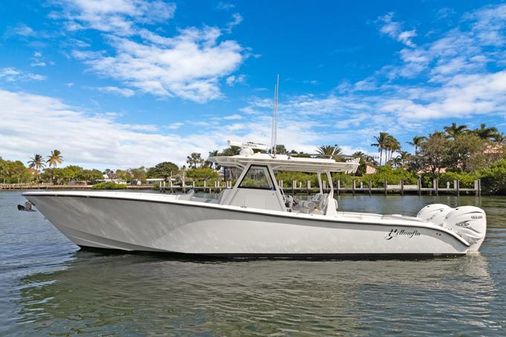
(386, 187)
(402, 187)
(458, 188)
(436, 186)
(419, 183)
(370, 188)
(477, 187)
(353, 187)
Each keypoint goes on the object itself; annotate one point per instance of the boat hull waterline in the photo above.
(161, 223)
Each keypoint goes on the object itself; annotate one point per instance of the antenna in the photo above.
(274, 134)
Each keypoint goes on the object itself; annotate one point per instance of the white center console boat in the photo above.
(256, 218)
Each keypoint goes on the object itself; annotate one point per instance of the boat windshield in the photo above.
(257, 177)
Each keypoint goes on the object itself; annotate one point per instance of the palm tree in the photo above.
(402, 159)
(391, 145)
(380, 143)
(331, 151)
(417, 141)
(364, 156)
(36, 163)
(487, 133)
(54, 158)
(455, 130)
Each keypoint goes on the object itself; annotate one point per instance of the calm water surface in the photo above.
(50, 288)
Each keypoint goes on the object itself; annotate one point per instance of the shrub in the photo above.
(466, 179)
(391, 176)
(493, 178)
(109, 186)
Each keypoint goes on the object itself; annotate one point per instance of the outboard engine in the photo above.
(470, 223)
(435, 213)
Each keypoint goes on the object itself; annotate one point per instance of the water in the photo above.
(50, 288)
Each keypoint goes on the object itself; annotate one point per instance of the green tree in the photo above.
(14, 172)
(90, 176)
(124, 175)
(329, 151)
(402, 160)
(230, 151)
(454, 130)
(381, 144)
(138, 173)
(281, 149)
(433, 155)
(493, 178)
(417, 142)
(54, 158)
(368, 158)
(202, 173)
(487, 133)
(36, 163)
(164, 170)
(392, 145)
(465, 152)
(194, 160)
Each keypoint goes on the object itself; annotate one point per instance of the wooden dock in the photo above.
(356, 188)
(296, 187)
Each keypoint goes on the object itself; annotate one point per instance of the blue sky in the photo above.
(124, 83)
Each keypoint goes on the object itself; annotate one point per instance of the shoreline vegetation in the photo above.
(454, 159)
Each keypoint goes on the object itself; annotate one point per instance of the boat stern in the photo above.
(469, 222)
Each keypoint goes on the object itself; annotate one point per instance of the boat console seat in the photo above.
(317, 204)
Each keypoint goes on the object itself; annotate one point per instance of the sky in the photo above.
(129, 83)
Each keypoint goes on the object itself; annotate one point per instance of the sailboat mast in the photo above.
(274, 134)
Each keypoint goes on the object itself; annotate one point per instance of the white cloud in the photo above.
(490, 23)
(175, 126)
(188, 65)
(11, 74)
(463, 96)
(459, 74)
(38, 124)
(225, 5)
(119, 91)
(232, 117)
(115, 16)
(236, 20)
(235, 79)
(37, 60)
(394, 30)
(21, 30)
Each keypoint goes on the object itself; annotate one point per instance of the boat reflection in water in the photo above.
(146, 295)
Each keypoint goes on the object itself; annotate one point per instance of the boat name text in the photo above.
(394, 232)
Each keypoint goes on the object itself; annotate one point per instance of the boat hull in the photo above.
(135, 223)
